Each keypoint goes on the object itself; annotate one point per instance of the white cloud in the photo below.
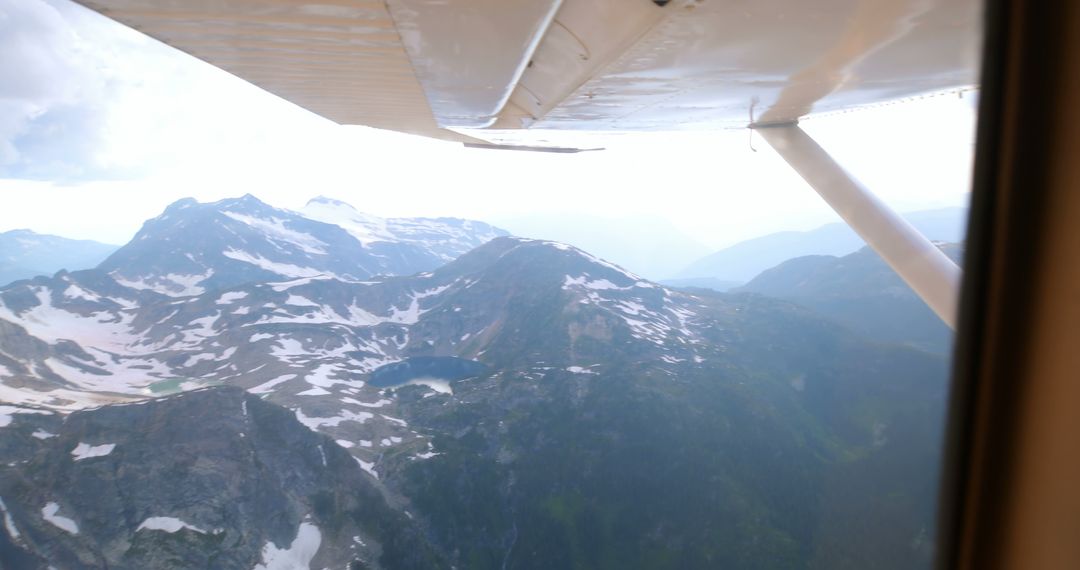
(41, 69)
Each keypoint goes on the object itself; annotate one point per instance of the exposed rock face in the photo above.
(214, 478)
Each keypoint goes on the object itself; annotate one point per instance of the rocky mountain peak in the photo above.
(19, 233)
(331, 202)
(181, 204)
(193, 247)
(444, 238)
(525, 258)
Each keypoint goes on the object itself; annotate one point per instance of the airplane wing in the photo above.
(520, 74)
(517, 71)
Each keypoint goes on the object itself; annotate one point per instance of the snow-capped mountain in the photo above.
(487, 397)
(523, 307)
(457, 310)
(443, 239)
(193, 247)
(25, 254)
(84, 338)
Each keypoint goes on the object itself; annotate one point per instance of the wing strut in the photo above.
(924, 267)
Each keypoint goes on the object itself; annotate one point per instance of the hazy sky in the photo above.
(101, 128)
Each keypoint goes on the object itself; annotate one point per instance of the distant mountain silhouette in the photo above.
(25, 254)
(861, 291)
(745, 260)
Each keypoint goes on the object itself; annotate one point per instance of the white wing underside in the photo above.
(531, 72)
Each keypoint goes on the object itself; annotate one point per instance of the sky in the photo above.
(101, 128)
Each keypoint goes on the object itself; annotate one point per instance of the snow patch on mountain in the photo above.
(281, 286)
(280, 268)
(109, 331)
(316, 391)
(298, 301)
(86, 451)
(7, 413)
(439, 385)
(167, 524)
(658, 320)
(58, 399)
(367, 466)
(50, 512)
(315, 422)
(75, 292)
(409, 316)
(584, 281)
(276, 231)
(365, 228)
(9, 523)
(268, 386)
(172, 284)
(298, 554)
(231, 297)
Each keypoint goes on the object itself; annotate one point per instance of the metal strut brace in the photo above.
(924, 267)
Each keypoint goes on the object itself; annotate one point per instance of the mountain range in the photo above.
(24, 254)
(525, 405)
(863, 293)
(743, 261)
